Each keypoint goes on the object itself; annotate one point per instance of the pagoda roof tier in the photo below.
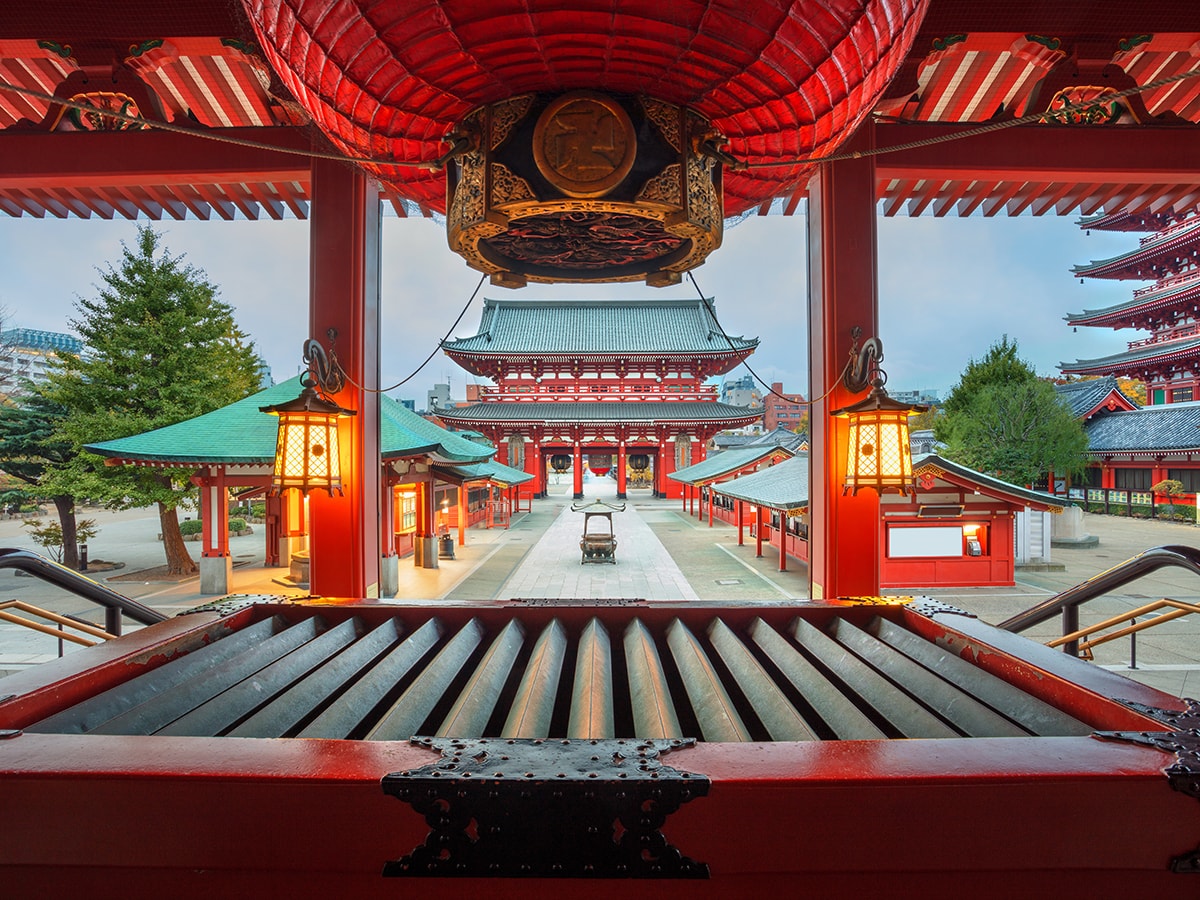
(1086, 398)
(1148, 308)
(1128, 221)
(648, 412)
(647, 329)
(1154, 257)
(1171, 427)
(1140, 361)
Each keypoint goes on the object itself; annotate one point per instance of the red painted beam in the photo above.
(92, 159)
(1045, 153)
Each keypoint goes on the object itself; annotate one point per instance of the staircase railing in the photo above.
(1067, 602)
(115, 605)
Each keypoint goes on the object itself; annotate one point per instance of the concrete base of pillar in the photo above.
(425, 552)
(578, 495)
(389, 576)
(289, 546)
(621, 495)
(216, 574)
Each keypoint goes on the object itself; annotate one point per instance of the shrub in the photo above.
(237, 524)
(258, 510)
(190, 526)
(1095, 507)
(1141, 512)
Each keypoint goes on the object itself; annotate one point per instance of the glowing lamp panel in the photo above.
(306, 454)
(878, 454)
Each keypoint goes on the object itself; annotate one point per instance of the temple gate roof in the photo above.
(647, 412)
(572, 328)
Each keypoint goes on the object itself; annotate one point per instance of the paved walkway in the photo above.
(662, 554)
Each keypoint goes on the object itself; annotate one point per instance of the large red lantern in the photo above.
(593, 139)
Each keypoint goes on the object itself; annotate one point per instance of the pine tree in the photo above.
(1002, 419)
(159, 348)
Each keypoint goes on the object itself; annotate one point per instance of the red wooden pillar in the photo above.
(621, 475)
(344, 258)
(425, 555)
(462, 514)
(758, 531)
(577, 469)
(740, 522)
(782, 542)
(388, 518)
(710, 506)
(1108, 475)
(844, 542)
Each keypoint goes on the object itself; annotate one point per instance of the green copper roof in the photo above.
(781, 486)
(601, 411)
(241, 434)
(725, 463)
(627, 327)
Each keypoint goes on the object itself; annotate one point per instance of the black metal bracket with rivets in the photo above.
(546, 809)
(1183, 775)
(232, 603)
(928, 607)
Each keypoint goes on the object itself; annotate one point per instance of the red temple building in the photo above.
(1132, 449)
(1168, 361)
(620, 382)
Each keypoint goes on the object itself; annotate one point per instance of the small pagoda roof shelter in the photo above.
(957, 528)
(1091, 396)
(235, 447)
(240, 434)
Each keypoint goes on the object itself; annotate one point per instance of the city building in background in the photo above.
(26, 353)
(783, 410)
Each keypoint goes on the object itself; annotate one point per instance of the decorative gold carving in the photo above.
(505, 116)
(664, 187)
(509, 187)
(584, 144)
(665, 117)
(506, 221)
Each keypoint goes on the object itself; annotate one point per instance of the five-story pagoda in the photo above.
(620, 382)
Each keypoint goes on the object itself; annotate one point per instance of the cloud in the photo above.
(948, 289)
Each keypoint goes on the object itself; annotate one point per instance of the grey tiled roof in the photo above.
(987, 484)
(1084, 396)
(1173, 426)
(782, 486)
(647, 327)
(723, 464)
(588, 411)
(1157, 299)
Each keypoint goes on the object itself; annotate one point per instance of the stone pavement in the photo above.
(662, 554)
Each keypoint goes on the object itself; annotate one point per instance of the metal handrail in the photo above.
(115, 605)
(61, 621)
(1068, 602)
(1178, 610)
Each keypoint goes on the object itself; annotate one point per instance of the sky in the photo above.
(948, 289)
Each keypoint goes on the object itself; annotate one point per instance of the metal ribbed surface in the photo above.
(791, 681)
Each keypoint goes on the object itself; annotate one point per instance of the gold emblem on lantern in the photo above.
(584, 144)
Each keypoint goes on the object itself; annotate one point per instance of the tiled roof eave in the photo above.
(1100, 267)
(1139, 355)
(1124, 312)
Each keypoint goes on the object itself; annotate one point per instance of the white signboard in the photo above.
(945, 540)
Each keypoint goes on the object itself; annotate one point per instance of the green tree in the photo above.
(30, 448)
(160, 348)
(1002, 419)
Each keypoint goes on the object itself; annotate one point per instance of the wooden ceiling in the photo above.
(194, 67)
